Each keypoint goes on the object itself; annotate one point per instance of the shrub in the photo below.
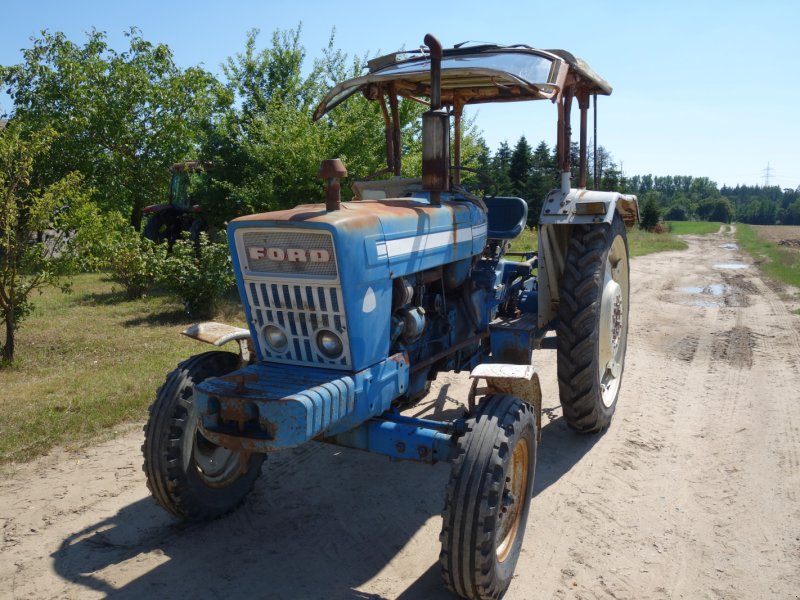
(199, 273)
(135, 262)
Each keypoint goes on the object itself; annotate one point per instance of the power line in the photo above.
(767, 173)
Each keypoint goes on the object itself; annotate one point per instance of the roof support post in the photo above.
(583, 103)
(396, 124)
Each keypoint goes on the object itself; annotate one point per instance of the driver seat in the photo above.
(506, 216)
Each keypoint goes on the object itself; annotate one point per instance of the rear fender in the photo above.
(560, 212)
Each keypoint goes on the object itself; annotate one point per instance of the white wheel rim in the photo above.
(613, 332)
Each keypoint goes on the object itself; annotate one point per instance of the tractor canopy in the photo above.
(472, 75)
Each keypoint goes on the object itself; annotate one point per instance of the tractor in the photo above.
(354, 307)
(166, 222)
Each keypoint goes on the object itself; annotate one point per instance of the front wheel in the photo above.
(488, 498)
(188, 475)
(592, 328)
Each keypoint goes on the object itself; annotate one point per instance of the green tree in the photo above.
(519, 169)
(650, 212)
(122, 118)
(66, 221)
(266, 148)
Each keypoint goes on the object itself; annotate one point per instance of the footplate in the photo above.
(266, 407)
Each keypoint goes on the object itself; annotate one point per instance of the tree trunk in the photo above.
(8, 347)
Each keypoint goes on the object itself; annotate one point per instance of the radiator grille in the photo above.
(300, 311)
(289, 253)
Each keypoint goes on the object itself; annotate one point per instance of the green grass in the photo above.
(693, 227)
(639, 242)
(86, 363)
(776, 262)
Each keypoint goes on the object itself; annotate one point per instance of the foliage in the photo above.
(134, 262)
(199, 273)
(122, 118)
(649, 212)
(265, 147)
(38, 224)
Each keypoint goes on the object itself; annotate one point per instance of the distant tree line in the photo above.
(531, 173)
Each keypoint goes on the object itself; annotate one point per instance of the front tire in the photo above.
(488, 498)
(592, 328)
(188, 475)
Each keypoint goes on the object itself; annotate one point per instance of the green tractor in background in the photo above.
(166, 222)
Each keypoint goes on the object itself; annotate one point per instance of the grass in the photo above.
(776, 262)
(639, 242)
(86, 363)
(694, 227)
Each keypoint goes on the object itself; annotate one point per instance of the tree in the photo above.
(60, 210)
(266, 148)
(650, 213)
(520, 167)
(122, 118)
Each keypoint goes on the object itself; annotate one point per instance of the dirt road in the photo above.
(693, 492)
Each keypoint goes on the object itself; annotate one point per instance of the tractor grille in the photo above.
(282, 252)
(300, 311)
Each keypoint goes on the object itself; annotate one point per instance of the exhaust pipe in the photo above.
(435, 131)
(330, 171)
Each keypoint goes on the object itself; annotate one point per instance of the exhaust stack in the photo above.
(330, 171)
(435, 131)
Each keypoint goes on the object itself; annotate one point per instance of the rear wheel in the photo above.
(592, 328)
(488, 498)
(187, 474)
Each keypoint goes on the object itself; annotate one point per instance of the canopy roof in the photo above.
(470, 75)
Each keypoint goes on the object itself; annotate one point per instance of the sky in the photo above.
(704, 88)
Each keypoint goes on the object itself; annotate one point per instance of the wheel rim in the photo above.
(613, 321)
(216, 466)
(512, 500)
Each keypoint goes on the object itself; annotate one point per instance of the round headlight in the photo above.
(276, 338)
(329, 344)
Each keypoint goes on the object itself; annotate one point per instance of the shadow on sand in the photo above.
(317, 525)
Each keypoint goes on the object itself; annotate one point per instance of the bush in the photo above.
(199, 273)
(650, 213)
(135, 262)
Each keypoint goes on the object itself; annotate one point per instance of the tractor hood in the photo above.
(402, 236)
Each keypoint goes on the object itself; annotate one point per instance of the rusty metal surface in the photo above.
(330, 171)
(215, 333)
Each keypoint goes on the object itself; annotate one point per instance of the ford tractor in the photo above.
(354, 307)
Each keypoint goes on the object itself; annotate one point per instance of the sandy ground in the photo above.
(693, 492)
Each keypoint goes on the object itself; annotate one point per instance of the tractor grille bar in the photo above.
(300, 311)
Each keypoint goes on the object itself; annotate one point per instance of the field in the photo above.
(781, 263)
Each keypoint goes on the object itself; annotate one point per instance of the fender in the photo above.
(219, 334)
(518, 380)
(560, 212)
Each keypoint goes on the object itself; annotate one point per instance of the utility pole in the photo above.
(767, 173)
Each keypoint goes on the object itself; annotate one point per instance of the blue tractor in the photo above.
(354, 307)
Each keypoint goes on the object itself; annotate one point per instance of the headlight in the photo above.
(276, 338)
(329, 344)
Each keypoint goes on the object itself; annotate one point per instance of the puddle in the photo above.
(730, 246)
(703, 303)
(715, 289)
(712, 296)
(731, 265)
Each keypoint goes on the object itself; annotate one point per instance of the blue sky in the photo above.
(704, 88)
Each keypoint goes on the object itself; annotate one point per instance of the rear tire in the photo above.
(592, 325)
(188, 475)
(488, 498)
